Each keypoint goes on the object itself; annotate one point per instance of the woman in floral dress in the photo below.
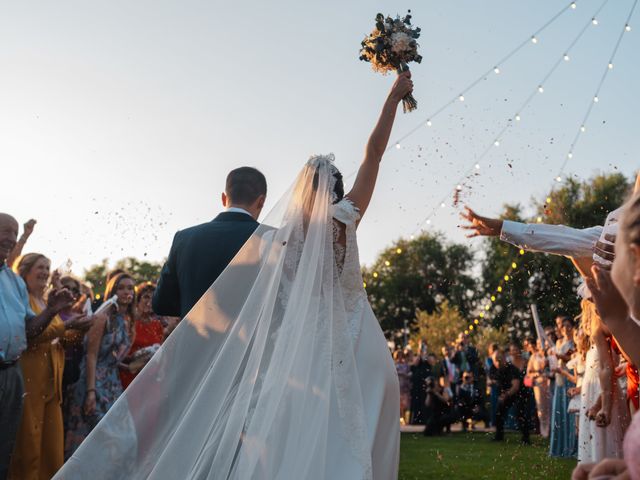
(99, 385)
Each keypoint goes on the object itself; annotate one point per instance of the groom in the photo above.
(199, 254)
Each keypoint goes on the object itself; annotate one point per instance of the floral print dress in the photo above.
(114, 346)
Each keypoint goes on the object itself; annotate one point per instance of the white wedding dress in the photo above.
(280, 371)
(597, 443)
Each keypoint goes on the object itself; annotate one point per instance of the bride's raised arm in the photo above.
(365, 182)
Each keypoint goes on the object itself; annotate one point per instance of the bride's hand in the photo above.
(401, 87)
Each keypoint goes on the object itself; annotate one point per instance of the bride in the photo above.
(281, 370)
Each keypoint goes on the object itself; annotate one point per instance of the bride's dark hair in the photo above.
(338, 187)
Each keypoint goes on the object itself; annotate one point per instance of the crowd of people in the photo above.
(66, 357)
(60, 375)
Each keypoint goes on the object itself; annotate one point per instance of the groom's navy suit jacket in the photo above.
(198, 256)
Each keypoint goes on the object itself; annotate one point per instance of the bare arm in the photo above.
(614, 313)
(365, 181)
(58, 300)
(17, 250)
(605, 360)
(94, 337)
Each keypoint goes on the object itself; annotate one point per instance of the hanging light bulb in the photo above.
(514, 265)
(566, 57)
(458, 187)
(429, 222)
(521, 252)
(375, 274)
(610, 66)
(539, 219)
(493, 298)
(573, 5)
(540, 89)
(534, 39)
(387, 263)
(481, 315)
(583, 128)
(477, 166)
(429, 123)
(517, 117)
(558, 179)
(499, 289)
(506, 278)
(476, 321)
(496, 70)
(398, 250)
(548, 200)
(570, 155)
(398, 146)
(596, 99)
(497, 143)
(627, 28)
(461, 98)
(594, 20)
(443, 204)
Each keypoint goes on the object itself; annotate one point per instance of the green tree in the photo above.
(438, 328)
(548, 280)
(140, 270)
(419, 274)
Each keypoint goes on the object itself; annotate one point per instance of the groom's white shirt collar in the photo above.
(238, 210)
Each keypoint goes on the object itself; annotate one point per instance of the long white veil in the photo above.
(246, 386)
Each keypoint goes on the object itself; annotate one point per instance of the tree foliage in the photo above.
(438, 328)
(416, 275)
(140, 270)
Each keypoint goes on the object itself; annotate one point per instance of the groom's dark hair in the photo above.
(244, 185)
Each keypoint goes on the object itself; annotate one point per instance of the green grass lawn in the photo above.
(473, 455)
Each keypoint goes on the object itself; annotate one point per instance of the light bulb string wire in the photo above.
(498, 136)
(484, 75)
(605, 73)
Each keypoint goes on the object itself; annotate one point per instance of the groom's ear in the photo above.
(225, 199)
(260, 201)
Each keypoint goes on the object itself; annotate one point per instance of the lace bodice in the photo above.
(348, 262)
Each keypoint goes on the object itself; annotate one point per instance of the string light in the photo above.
(534, 39)
(506, 278)
(514, 265)
(517, 117)
(558, 179)
(570, 155)
(548, 199)
(566, 57)
(539, 219)
(627, 28)
(497, 143)
(521, 252)
(573, 5)
(398, 146)
(470, 327)
(458, 187)
(429, 123)
(375, 274)
(364, 284)
(477, 166)
(387, 263)
(496, 70)
(596, 99)
(540, 89)
(610, 66)
(594, 20)
(583, 128)
(499, 289)
(398, 250)
(493, 298)
(461, 98)
(443, 204)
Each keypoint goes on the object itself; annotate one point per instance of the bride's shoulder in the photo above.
(346, 212)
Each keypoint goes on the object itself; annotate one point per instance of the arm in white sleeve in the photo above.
(554, 239)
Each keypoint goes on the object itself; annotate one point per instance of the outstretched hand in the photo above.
(59, 300)
(609, 303)
(479, 225)
(401, 87)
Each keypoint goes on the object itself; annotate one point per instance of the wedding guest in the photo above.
(537, 369)
(563, 428)
(436, 416)
(492, 382)
(17, 324)
(73, 346)
(39, 445)
(512, 392)
(17, 250)
(420, 371)
(603, 412)
(404, 378)
(617, 298)
(469, 402)
(106, 344)
(148, 331)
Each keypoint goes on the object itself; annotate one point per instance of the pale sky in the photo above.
(119, 120)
